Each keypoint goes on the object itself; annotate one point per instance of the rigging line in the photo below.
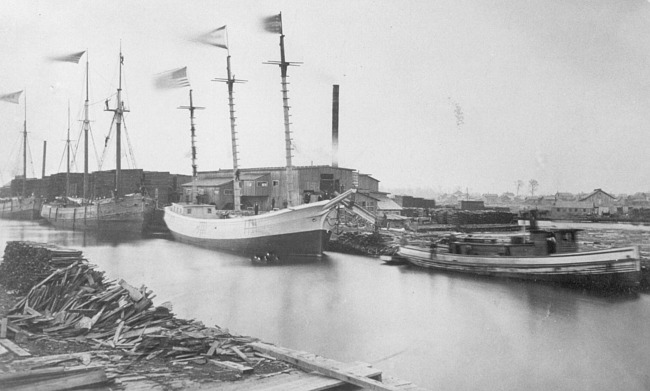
(101, 162)
(76, 149)
(128, 141)
(31, 159)
(62, 157)
(92, 136)
(13, 148)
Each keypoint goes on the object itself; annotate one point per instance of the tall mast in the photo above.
(25, 148)
(285, 102)
(230, 81)
(191, 108)
(67, 143)
(86, 127)
(118, 117)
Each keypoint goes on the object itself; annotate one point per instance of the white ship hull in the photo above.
(298, 231)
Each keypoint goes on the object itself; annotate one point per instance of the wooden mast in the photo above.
(191, 108)
(25, 148)
(86, 127)
(230, 81)
(67, 148)
(291, 198)
(119, 111)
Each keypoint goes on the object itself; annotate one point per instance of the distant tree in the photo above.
(533, 184)
(519, 184)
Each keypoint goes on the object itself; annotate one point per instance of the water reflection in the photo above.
(443, 331)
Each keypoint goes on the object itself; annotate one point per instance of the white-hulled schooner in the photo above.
(121, 213)
(23, 207)
(301, 230)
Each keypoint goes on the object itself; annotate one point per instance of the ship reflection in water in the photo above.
(441, 331)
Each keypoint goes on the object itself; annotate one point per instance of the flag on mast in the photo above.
(13, 97)
(273, 24)
(175, 78)
(74, 57)
(216, 38)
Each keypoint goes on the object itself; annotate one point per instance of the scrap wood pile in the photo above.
(370, 243)
(76, 302)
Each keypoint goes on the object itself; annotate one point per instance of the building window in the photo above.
(276, 183)
(209, 210)
(249, 183)
(227, 191)
(216, 192)
(262, 184)
(363, 204)
(188, 211)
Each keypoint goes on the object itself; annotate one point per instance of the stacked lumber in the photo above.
(158, 183)
(26, 263)
(467, 217)
(77, 302)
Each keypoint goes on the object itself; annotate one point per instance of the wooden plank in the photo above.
(293, 381)
(3, 328)
(84, 357)
(240, 354)
(3, 350)
(242, 369)
(14, 348)
(324, 367)
(59, 380)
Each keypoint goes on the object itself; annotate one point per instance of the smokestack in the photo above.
(335, 126)
(44, 154)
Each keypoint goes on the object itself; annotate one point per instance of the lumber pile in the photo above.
(26, 263)
(469, 217)
(367, 243)
(77, 302)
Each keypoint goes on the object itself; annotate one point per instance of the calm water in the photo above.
(441, 331)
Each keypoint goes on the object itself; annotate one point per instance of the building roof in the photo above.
(596, 191)
(385, 203)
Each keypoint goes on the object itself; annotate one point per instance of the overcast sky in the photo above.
(445, 94)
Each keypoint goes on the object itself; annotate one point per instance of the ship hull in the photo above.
(20, 209)
(129, 214)
(307, 244)
(299, 231)
(619, 267)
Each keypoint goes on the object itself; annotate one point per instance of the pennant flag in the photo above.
(175, 78)
(273, 24)
(13, 97)
(74, 57)
(215, 38)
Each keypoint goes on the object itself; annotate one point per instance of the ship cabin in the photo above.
(200, 211)
(525, 244)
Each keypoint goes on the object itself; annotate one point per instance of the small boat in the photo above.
(538, 254)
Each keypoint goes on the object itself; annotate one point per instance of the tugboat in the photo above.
(537, 254)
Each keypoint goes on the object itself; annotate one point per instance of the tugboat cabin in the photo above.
(533, 243)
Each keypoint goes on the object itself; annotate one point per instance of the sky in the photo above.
(442, 95)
